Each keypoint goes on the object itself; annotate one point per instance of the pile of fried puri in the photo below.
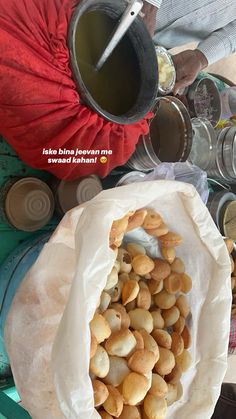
(139, 337)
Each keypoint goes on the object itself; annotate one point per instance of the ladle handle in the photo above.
(126, 21)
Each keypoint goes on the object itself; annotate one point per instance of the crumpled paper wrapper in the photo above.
(47, 329)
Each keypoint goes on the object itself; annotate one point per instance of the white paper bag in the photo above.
(51, 363)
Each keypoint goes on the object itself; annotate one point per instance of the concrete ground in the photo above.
(226, 68)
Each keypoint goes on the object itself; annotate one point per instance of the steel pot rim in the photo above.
(130, 117)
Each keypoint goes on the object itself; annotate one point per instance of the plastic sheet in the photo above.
(182, 172)
(51, 363)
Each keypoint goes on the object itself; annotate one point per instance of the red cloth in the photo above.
(39, 104)
(232, 337)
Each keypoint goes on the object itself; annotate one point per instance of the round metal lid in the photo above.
(215, 203)
(228, 219)
(70, 194)
(88, 188)
(29, 204)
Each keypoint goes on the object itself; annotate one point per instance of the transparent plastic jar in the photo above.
(228, 101)
(203, 149)
(167, 72)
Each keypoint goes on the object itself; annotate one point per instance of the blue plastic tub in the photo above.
(12, 272)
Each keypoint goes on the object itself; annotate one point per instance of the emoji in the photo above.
(103, 160)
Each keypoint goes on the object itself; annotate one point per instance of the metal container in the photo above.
(144, 157)
(216, 202)
(114, 181)
(125, 94)
(12, 272)
(204, 100)
(202, 153)
(227, 221)
(169, 139)
(224, 167)
(70, 194)
(164, 58)
(229, 152)
(219, 156)
(27, 204)
(215, 169)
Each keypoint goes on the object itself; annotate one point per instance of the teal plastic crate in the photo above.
(11, 166)
(9, 402)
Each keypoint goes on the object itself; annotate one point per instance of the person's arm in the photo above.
(189, 63)
(149, 11)
(219, 44)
